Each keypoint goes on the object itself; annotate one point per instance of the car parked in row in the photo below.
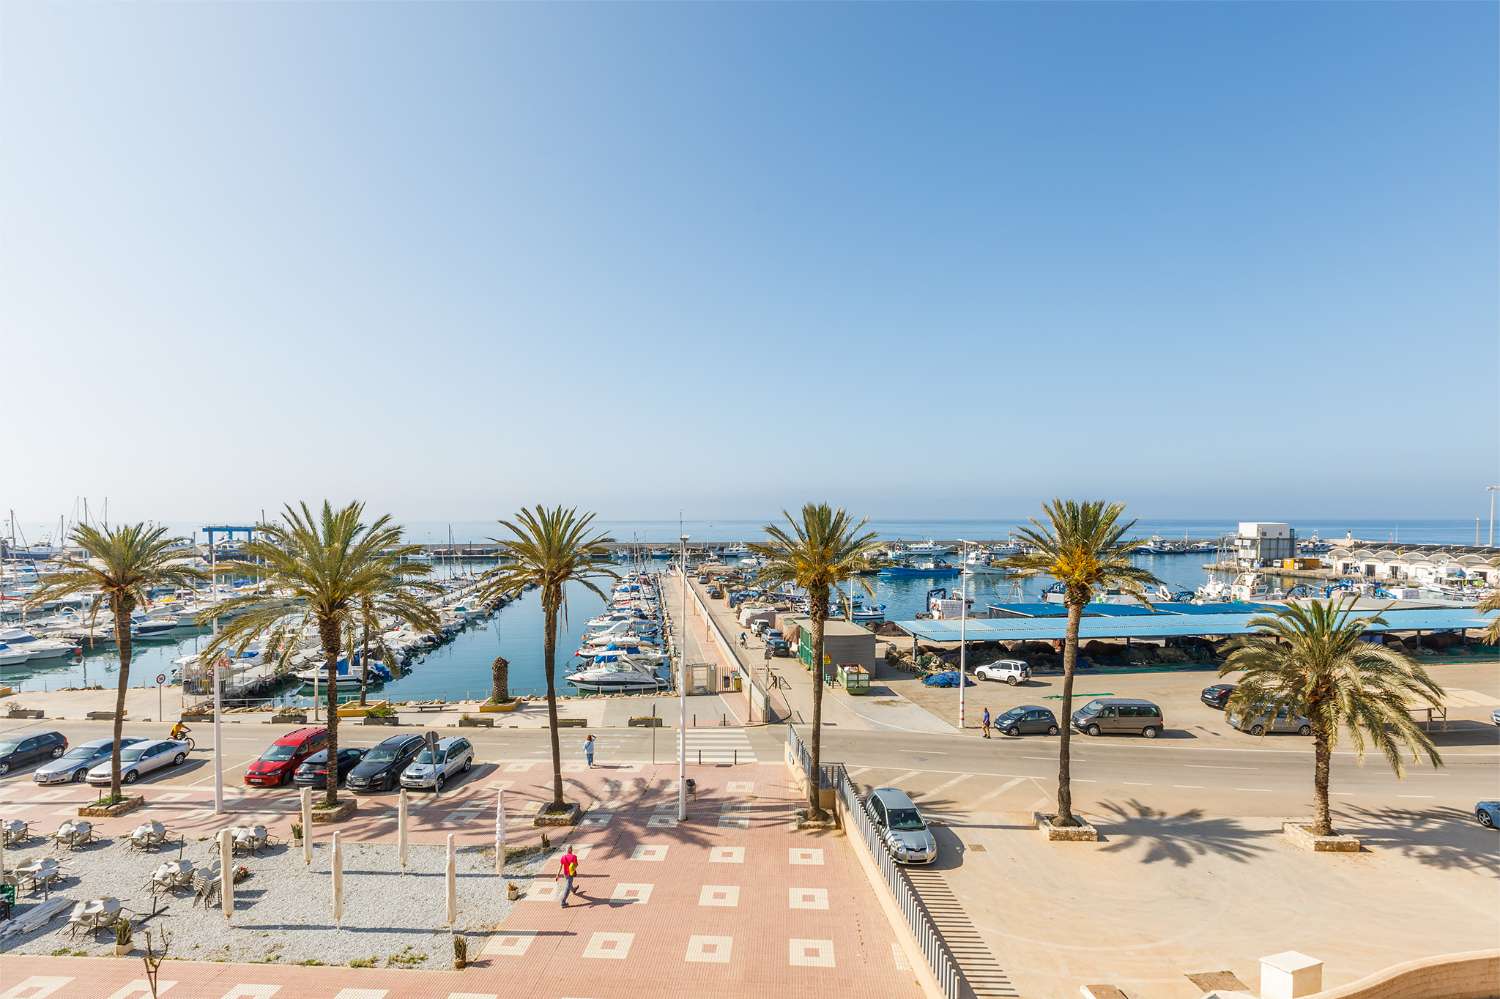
(1119, 715)
(20, 751)
(1488, 813)
(314, 770)
(75, 764)
(1216, 695)
(1011, 671)
(778, 647)
(902, 826)
(1259, 722)
(1028, 719)
(281, 759)
(454, 756)
(144, 757)
(380, 768)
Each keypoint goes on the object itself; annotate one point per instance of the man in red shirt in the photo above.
(567, 870)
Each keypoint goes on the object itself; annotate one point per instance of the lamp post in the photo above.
(682, 694)
(1492, 490)
(963, 628)
(218, 733)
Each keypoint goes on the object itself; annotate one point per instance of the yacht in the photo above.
(147, 628)
(737, 550)
(928, 547)
(618, 675)
(10, 656)
(610, 651)
(21, 640)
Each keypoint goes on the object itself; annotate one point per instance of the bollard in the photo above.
(401, 809)
(336, 864)
(452, 879)
(226, 872)
(700, 757)
(736, 757)
(499, 831)
(307, 826)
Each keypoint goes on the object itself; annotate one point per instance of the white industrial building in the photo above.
(1431, 566)
(1260, 543)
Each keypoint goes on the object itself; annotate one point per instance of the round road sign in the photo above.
(161, 678)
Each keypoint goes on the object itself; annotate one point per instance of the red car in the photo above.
(277, 764)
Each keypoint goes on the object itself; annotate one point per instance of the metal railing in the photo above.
(860, 823)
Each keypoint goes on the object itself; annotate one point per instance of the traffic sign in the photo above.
(161, 678)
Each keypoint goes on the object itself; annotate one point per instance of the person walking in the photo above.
(567, 870)
(588, 751)
(984, 722)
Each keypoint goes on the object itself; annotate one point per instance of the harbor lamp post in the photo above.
(1492, 490)
(963, 628)
(682, 694)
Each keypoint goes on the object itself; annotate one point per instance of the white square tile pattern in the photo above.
(807, 898)
(804, 857)
(637, 893)
(726, 855)
(708, 949)
(727, 896)
(508, 945)
(810, 953)
(611, 946)
(740, 787)
(654, 852)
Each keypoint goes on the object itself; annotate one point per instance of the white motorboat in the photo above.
(21, 640)
(737, 550)
(928, 547)
(617, 647)
(10, 656)
(146, 628)
(620, 675)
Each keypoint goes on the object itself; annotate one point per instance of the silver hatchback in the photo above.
(902, 826)
(1260, 722)
(75, 764)
(454, 757)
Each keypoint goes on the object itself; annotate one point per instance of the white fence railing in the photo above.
(860, 823)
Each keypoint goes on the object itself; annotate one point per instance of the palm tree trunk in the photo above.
(1322, 758)
(1065, 726)
(549, 655)
(500, 680)
(818, 607)
(122, 642)
(328, 630)
(364, 660)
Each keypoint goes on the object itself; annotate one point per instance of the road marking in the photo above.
(1252, 789)
(946, 784)
(896, 781)
(1414, 796)
(1049, 759)
(1000, 790)
(1189, 787)
(1135, 783)
(1212, 766)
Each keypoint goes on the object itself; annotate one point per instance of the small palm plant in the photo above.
(1082, 546)
(548, 549)
(1313, 659)
(817, 553)
(317, 569)
(120, 565)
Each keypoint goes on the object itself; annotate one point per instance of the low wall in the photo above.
(1469, 975)
(756, 700)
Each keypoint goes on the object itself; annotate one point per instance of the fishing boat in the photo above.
(934, 568)
(928, 547)
(35, 647)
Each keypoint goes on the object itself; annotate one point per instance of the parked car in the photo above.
(703, 577)
(380, 768)
(1112, 715)
(1012, 671)
(454, 757)
(1216, 695)
(1028, 719)
(146, 756)
(778, 647)
(760, 627)
(75, 764)
(902, 826)
(281, 759)
(1260, 722)
(1495, 716)
(314, 770)
(19, 751)
(1488, 813)
(714, 593)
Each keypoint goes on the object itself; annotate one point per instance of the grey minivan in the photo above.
(1111, 715)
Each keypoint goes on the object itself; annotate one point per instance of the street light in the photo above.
(1492, 490)
(963, 629)
(682, 694)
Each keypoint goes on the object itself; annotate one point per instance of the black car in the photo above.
(1217, 695)
(380, 769)
(314, 770)
(1028, 719)
(21, 750)
(778, 647)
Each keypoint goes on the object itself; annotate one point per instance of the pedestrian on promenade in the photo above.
(984, 722)
(588, 751)
(567, 870)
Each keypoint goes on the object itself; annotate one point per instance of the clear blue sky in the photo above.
(922, 260)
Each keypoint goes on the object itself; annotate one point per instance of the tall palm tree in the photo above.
(820, 551)
(121, 565)
(318, 569)
(548, 549)
(1312, 659)
(1082, 546)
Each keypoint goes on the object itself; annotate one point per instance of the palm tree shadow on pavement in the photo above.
(1180, 839)
(1443, 837)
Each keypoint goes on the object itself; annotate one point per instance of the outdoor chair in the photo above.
(250, 839)
(41, 872)
(148, 836)
(95, 915)
(73, 833)
(14, 832)
(171, 875)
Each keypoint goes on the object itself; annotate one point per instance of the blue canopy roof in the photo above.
(1199, 622)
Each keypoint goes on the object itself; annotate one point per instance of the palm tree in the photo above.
(500, 680)
(1311, 659)
(1082, 546)
(318, 570)
(549, 549)
(822, 550)
(1489, 603)
(121, 565)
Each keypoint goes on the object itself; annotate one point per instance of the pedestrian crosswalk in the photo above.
(718, 745)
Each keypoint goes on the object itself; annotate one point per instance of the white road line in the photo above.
(1211, 766)
(1049, 759)
(946, 784)
(1414, 796)
(1135, 783)
(1189, 787)
(999, 790)
(1252, 789)
(896, 781)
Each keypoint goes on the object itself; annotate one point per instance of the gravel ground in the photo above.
(283, 911)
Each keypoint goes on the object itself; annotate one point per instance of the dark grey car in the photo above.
(1028, 719)
(20, 751)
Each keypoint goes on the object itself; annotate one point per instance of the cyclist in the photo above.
(179, 731)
